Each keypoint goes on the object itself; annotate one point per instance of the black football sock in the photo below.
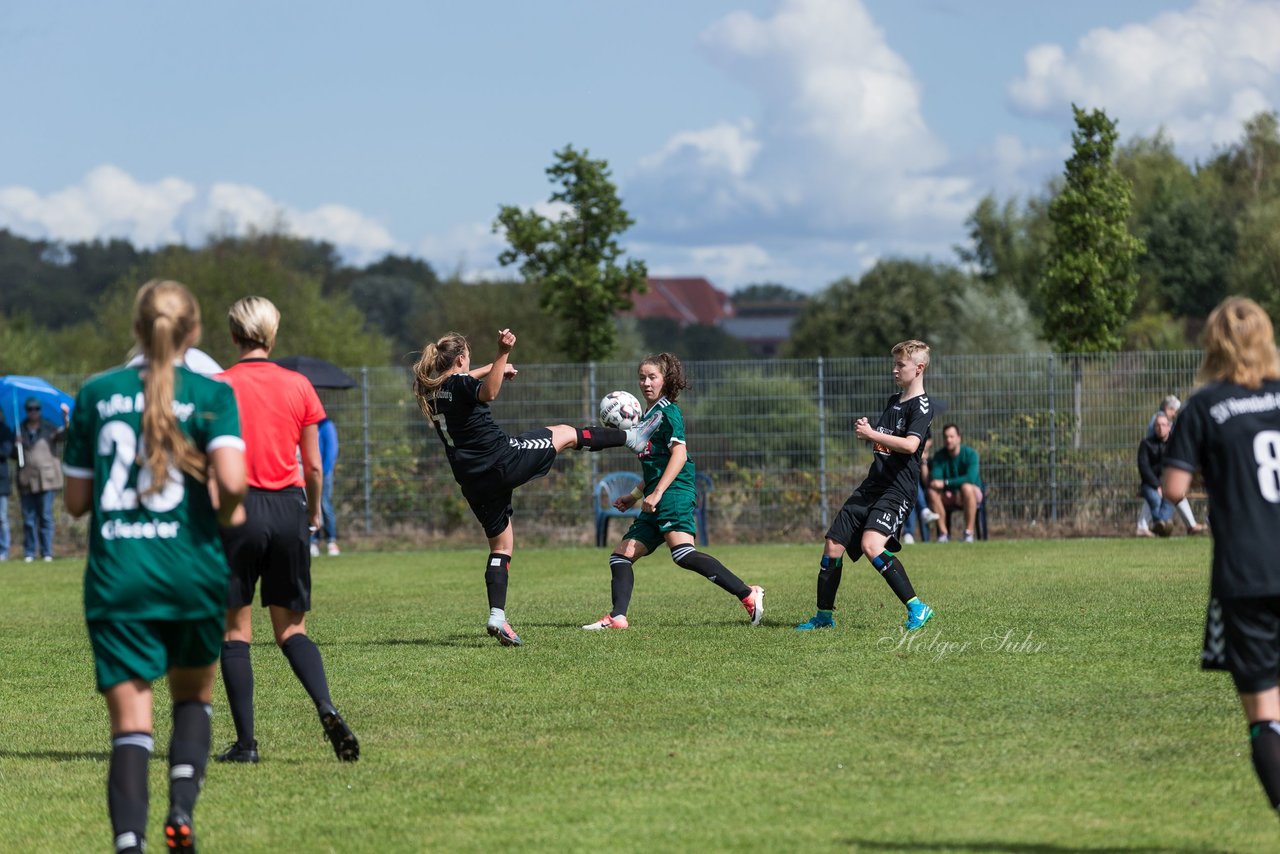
(127, 788)
(597, 438)
(892, 571)
(1264, 737)
(304, 658)
(496, 573)
(623, 582)
(829, 574)
(687, 557)
(188, 753)
(237, 677)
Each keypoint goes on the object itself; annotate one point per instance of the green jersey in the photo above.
(663, 426)
(152, 556)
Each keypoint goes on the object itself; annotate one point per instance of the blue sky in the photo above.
(760, 140)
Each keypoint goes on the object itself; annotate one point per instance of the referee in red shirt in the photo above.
(279, 411)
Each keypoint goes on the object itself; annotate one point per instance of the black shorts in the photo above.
(1242, 636)
(884, 513)
(531, 456)
(274, 545)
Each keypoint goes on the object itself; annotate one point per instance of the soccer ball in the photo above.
(620, 409)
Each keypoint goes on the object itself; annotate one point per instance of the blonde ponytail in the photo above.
(432, 367)
(166, 318)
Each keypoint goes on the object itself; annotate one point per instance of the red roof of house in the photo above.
(684, 299)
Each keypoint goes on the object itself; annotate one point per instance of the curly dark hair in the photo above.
(673, 378)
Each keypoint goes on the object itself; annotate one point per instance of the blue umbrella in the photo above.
(14, 392)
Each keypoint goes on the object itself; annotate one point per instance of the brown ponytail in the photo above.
(431, 369)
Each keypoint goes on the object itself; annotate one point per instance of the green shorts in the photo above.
(675, 513)
(147, 649)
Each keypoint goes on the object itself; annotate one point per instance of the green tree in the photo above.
(767, 292)
(899, 299)
(694, 342)
(1090, 281)
(330, 328)
(1008, 246)
(1091, 278)
(478, 310)
(575, 257)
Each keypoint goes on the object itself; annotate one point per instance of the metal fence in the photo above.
(776, 438)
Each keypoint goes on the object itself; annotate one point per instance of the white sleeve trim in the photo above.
(224, 442)
(75, 471)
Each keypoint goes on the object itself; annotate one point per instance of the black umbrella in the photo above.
(322, 373)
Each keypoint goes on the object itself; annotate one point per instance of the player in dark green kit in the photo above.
(1230, 431)
(141, 444)
(667, 499)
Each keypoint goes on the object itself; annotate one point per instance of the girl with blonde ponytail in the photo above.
(141, 442)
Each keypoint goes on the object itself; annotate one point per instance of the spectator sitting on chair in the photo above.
(954, 483)
(1150, 467)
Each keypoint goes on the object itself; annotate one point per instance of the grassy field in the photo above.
(1054, 705)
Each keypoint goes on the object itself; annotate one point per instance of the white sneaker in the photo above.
(754, 603)
(908, 540)
(333, 549)
(635, 442)
(608, 622)
(315, 550)
(968, 536)
(48, 558)
(943, 538)
(928, 516)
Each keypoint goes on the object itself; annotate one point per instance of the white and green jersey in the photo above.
(156, 556)
(663, 426)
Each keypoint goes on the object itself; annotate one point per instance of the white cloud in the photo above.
(469, 251)
(839, 151)
(109, 202)
(726, 147)
(1199, 73)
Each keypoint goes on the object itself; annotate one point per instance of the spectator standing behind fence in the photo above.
(1169, 407)
(328, 438)
(39, 477)
(954, 483)
(279, 412)
(1230, 432)
(6, 485)
(1150, 467)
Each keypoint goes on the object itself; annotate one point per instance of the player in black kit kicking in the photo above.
(487, 463)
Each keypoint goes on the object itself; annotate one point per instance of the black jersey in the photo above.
(891, 470)
(1232, 435)
(472, 440)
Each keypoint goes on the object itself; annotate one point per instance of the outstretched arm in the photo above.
(497, 370)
